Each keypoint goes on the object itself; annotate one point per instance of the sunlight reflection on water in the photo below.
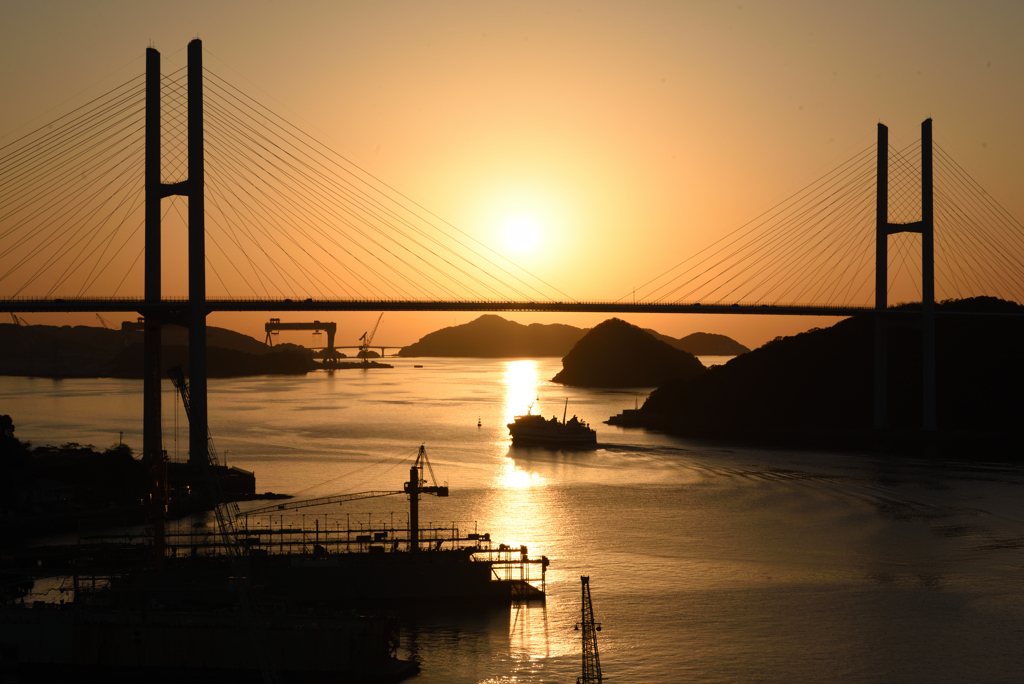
(520, 385)
(511, 476)
(707, 563)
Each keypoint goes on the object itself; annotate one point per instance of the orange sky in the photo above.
(628, 134)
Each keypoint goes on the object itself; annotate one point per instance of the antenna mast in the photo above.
(591, 660)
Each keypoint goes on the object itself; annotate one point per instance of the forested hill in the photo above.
(618, 354)
(704, 344)
(491, 336)
(88, 351)
(822, 381)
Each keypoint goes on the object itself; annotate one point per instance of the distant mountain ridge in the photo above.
(704, 344)
(491, 336)
(88, 351)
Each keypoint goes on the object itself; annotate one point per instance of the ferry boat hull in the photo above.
(533, 430)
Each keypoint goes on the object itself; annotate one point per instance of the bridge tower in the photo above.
(195, 315)
(926, 227)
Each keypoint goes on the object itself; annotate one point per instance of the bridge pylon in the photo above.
(926, 227)
(195, 314)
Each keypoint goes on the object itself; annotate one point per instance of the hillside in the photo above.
(492, 336)
(822, 381)
(86, 351)
(618, 354)
(704, 344)
(221, 363)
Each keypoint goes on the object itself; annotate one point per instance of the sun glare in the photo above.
(521, 381)
(521, 234)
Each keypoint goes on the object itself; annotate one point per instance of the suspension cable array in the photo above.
(287, 217)
(817, 245)
(71, 198)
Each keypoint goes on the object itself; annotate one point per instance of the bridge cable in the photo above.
(749, 226)
(299, 228)
(786, 225)
(392, 225)
(326, 152)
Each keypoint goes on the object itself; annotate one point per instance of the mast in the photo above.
(591, 660)
(413, 487)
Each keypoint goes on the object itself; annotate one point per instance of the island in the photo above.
(618, 354)
(491, 336)
(818, 387)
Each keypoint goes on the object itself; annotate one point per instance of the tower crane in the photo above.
(367, 338)
(416, 485)
(591, 661)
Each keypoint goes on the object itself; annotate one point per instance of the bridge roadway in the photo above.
(172, 306)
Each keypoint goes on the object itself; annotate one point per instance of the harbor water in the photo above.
(707, 563)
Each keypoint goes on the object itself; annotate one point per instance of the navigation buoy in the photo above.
(478, 422)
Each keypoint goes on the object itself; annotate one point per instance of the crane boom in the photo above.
(367, 337)
(414, 487)
(305, 503)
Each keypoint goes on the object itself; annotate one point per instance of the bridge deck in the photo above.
(170, 306)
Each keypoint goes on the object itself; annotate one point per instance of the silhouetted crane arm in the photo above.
(367, 337)
(304, 503)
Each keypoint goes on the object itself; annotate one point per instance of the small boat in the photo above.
(538, 430)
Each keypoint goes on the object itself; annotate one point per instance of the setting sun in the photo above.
(521, 234)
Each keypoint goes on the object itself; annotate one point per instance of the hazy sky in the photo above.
(627, 134)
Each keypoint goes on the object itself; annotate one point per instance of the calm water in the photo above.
(707, 564)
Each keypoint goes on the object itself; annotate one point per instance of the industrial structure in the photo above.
(591, 660)
(330, 354)
(367, 339)
(416, 485)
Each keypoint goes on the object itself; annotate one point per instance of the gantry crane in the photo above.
(275, 325)
(591, 660)
(416, 485)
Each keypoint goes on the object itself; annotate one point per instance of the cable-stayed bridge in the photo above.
(185, 167)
